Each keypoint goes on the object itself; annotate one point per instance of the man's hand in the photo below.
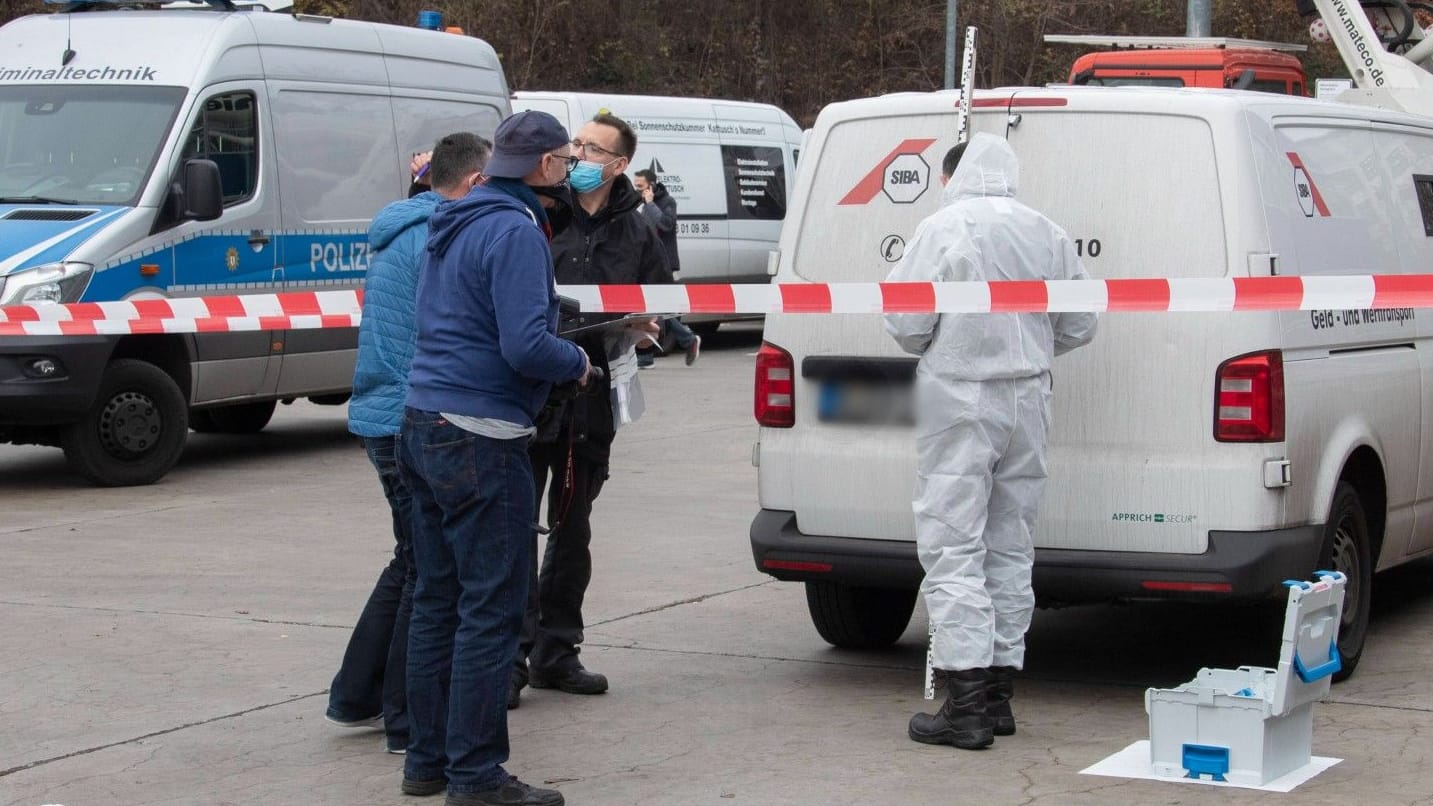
(647, 194)
(417, 168)
(651, 327)
(586, 370)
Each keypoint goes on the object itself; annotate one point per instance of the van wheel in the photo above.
(1346, 549)
(853, 617)
(243, 418)
(135, 430)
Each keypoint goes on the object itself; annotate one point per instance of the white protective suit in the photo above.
(983, 407)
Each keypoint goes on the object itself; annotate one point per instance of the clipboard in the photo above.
(571, 321)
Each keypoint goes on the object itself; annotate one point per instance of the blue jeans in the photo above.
(680, 332)
(372, 678)
(473, 504)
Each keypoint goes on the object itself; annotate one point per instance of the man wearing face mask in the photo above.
(607, 241)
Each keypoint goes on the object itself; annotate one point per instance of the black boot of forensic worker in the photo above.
(1002, 688)
(963, 720)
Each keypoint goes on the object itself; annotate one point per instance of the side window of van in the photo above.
(227, 133)
(1424, 187)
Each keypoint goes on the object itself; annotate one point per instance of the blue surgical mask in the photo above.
(586, 176)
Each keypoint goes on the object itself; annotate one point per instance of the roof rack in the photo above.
(1137, 42)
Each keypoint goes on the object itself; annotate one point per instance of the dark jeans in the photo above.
(552, 626)
(472, 539)
(680, 332)
(373, 676)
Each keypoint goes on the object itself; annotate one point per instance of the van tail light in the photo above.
(1249, 398)
(775, 387)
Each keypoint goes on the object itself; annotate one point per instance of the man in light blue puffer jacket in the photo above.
(370, 685)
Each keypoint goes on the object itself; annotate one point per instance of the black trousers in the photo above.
(552, 626)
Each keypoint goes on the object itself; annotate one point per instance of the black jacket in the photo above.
(615, 246)
(662, 214)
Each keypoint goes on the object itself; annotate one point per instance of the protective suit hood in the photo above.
(988, 168)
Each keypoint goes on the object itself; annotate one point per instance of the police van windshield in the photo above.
(83, 144)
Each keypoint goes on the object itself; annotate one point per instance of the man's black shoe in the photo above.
(963, 720)
(514, 696)
(413, 786)
(512, 793)
(576, 680)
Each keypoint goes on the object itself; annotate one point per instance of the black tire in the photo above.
(1346, 549)
(241, 418)
(135, 430)
(853, 617)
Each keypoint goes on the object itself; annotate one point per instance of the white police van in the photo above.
(177, 153)
(729, 165)
(1194, 456)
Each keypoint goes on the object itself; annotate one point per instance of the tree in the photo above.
(797, 54)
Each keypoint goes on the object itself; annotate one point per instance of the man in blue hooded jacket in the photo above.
(486, 356)
(371, 680)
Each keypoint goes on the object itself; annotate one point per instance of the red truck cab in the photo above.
(1188, 62)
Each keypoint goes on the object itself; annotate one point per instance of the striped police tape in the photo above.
(333, 309)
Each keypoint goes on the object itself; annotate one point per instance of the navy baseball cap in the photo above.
(520, 142)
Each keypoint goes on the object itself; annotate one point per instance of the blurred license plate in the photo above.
(853, 401)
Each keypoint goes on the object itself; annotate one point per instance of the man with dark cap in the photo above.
(486, 356)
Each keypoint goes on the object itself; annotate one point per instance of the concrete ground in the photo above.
(173, 645)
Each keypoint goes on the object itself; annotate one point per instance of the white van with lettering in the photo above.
(1194, 456)
(728, 164)
(200, 152)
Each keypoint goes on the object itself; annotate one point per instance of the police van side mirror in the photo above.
(199, 195)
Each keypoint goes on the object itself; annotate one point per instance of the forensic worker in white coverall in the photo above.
(982, 411)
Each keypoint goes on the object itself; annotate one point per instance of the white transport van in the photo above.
(176, 153)
(1194, 456)
(728, 164)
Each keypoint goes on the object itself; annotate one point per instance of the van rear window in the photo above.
(1133, 81)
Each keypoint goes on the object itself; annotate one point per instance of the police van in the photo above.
(728, 164)
(180, 153)
(1193, 456)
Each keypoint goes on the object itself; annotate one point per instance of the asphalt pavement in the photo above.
(173, 644)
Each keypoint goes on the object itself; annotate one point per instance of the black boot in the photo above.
(963, 720)
(1001, 690)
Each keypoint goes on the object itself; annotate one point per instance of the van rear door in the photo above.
(753, 155)
(1134, 464)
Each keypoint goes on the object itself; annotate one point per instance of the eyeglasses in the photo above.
(570, 160)
(589, 147)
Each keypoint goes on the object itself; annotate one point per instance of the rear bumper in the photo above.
(59, 400)
(1238, 566)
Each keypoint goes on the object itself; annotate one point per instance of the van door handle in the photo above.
(258, 238)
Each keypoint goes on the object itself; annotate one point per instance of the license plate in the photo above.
(851, 401)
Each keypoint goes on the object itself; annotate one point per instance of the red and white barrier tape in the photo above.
(325, 309)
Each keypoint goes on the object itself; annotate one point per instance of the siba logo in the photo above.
(906, 178)
(902, 175)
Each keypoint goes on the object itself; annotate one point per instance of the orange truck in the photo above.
(1154, 61)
